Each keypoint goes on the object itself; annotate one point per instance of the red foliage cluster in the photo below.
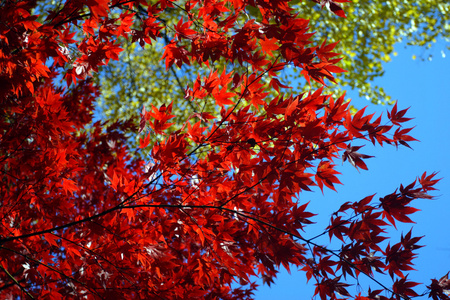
(82, 217)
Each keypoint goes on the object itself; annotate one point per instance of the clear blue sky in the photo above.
(425, 87)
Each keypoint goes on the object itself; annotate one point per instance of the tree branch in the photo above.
(16, 282)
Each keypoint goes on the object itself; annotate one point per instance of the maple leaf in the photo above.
(337, 228)
(183, 30)
(404, 287)
(397, 117)
(328, 287)
(333, 7)
(276, 84)
(324, 51)
(175, 55)
(440, 289)
(291, 108)
(395, 205)
(428, 182)
(268, 45)
(98, 8)
(401, 137)
(69, 186)
(145, 141)
(398, 259)
(222, 97)
(410, 243)
(326, 175)
(354, 157)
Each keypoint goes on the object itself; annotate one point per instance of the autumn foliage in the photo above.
(214, 203)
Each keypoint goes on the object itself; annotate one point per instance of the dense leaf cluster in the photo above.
(367, 37)
(217, 201)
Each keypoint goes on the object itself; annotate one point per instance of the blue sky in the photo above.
(425, 87)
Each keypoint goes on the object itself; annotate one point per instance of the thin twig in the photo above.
(16, 282)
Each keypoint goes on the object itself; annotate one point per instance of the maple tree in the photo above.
(217, 201)
(367, 37)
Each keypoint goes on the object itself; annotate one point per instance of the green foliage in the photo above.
(140, 79)
(368, 35)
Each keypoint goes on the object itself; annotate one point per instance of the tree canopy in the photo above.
(217, 198)
(367, 37)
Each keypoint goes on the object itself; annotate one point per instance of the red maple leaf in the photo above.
(354, 157)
